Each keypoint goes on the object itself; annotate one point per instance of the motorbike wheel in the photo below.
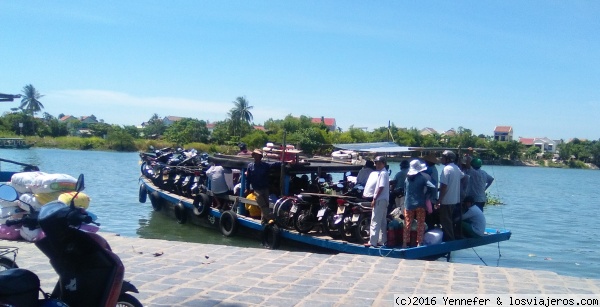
(330, 228)
(6, 264)
(128, 300)
(361, 230)
(304, 221)
(282, 213)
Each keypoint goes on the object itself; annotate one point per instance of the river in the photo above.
(552, 213)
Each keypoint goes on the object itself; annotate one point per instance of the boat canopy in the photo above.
(387, 147)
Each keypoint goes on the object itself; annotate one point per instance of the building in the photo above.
(503, 133)
(428, 131)
(328, 122)
(169, 120)
(544, 144)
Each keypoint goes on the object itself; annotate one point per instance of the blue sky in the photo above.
(533, 65)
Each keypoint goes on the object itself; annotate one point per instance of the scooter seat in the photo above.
(18, 282)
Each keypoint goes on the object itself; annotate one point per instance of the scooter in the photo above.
(90, 274)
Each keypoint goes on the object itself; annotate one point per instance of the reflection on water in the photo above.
(552, 213)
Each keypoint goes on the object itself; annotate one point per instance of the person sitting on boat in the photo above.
(257, 179)
(377, 190)
(418, 189)
(364, 173)
(218, 184)
(473, 220)
(479, 181)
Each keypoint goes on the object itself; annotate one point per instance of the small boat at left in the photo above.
(14, 143)
(6, 175)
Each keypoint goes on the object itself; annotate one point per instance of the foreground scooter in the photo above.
(90, 274)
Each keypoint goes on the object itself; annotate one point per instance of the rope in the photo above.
(479, 256)
(382, 255)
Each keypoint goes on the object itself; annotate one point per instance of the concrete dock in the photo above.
(171, 273)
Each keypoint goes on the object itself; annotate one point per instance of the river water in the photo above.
(552, 213)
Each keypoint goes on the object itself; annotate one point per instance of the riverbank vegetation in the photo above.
(224, 136)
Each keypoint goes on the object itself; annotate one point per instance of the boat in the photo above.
(158, 183)
(6, 175)
(344, 155)
(14, 143)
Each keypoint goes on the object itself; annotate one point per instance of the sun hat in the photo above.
(257, 152)
(416, 167)
(430, 157)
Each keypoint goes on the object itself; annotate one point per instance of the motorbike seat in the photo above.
(18, 282)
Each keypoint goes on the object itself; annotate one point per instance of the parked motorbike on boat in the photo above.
(304, 212)
(90, 274)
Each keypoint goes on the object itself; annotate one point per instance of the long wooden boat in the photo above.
(14, 143)
(185, 208)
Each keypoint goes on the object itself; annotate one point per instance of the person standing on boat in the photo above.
(449, 193)
(257, 179)
(398, 183)
(218, 184)
(479, 181)
(418, 189)
(433, 217)
(364, 173)
(377, 189)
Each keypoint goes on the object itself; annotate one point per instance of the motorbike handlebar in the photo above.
(13, 222)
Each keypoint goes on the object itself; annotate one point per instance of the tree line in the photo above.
(312, 138)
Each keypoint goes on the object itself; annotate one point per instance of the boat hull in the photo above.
(253, 228)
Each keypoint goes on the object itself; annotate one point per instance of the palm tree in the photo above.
(240, 113)
(30, 103)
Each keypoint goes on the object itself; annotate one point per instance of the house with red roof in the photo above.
(328, 121)
(545, 144)
(503, 133)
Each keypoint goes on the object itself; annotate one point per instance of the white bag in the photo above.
(22, 182)
(49, 183)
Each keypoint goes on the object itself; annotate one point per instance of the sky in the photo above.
(532, 65)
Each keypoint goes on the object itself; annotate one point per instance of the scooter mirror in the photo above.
(8, 193)
(80, 183)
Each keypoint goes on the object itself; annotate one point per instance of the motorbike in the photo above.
(304, 212)
(6, 260)
(90, 274)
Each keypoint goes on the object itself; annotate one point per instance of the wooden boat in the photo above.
(14, 143)
(196, 208)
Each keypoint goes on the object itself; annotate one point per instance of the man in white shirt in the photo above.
(449, 193)
(377, 189)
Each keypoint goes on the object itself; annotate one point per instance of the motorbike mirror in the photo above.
(8, 193)
(151, 147)
(78, 188)
(339, 185)
(321, 180)
(80, 183)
